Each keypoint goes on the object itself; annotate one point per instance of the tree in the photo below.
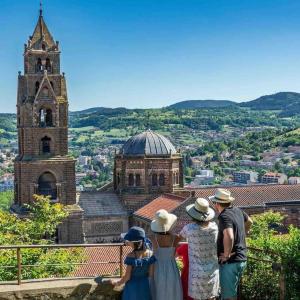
(6, 199)
(38, 228)
(261, 281)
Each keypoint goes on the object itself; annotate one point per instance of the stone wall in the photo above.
(72, 289)
(27, 174)
(104, 229)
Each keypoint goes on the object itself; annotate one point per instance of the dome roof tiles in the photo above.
(148, 143)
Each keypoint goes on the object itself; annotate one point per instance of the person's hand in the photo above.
(112, 282)
(223, 259)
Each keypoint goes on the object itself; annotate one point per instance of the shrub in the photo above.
(261, 281)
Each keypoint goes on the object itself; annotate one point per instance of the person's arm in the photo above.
(248, 224)
(228, 241)
(151, 271)
(125, 278)
(226, 226)
(177, 240)
(182, 236)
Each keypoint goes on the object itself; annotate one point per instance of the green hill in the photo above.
(287, 102)
(195, 104)
(101, 111)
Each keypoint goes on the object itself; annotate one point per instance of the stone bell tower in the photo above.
(43, 166)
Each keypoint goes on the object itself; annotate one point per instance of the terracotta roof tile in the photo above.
(101, 261)
(256, 194)
(167, 201)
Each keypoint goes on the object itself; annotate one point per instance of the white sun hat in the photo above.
(222, 196)
(163, 221)
(200, 210)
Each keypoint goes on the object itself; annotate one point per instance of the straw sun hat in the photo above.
(200, 210)
(163, 221)
(222, 196)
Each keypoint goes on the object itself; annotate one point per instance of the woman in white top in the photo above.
(167, 282)
(201, 235)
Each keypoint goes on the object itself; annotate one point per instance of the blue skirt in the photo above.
(137, 288)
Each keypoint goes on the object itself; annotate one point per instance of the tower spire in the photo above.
(41, 8)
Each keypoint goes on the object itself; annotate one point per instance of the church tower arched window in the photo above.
(49, 119)
(47, 185)
(154, 180)
(46, 145)
(42, 117)
(161, 179)
(48, 65)
(39, 66)
(130, 180)
(137, 180)
(45, 118)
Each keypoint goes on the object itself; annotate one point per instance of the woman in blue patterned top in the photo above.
(139, 267)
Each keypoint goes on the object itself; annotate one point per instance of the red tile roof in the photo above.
(256, 194)
(167, 201)
(101, 261)
(272, 174)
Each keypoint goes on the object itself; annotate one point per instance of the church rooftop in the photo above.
(148, 143)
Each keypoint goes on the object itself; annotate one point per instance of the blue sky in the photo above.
(152, 53)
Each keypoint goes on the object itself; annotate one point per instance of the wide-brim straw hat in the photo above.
(222, 196)
(163, 221)
(200, 210)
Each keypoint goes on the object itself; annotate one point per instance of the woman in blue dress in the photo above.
(139, 267)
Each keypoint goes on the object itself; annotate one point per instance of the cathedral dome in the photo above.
(148, 143)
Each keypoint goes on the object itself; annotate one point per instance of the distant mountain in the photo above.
(194, 104)
(287, 102)
(102, 111)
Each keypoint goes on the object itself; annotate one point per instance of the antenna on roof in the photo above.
(41, 8)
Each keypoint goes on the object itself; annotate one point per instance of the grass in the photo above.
(82, 129)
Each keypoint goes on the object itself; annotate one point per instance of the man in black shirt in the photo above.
(231, 243)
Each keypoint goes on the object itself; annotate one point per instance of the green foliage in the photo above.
(6, 199)
(260, 281)
(39, 228)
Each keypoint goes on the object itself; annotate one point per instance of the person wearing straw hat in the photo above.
(167, 282)
(231, 243)
(201, 234)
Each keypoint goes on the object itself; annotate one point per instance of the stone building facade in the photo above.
(147, 165)
(42, 165)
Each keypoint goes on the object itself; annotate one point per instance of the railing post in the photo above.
(121, 260)
(282, 284)
(19, 265)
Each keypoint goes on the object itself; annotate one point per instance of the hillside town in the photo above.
(196, 200)
(94, 170)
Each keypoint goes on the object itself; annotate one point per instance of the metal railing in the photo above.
(264, 276)
(107, 260)
(93, 260)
